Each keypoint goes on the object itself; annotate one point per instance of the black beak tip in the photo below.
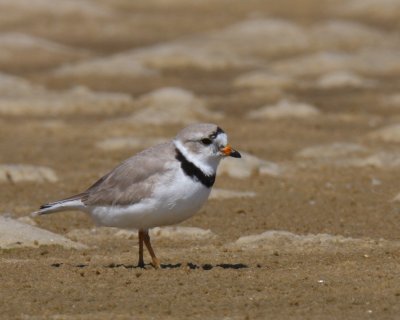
(235, 154)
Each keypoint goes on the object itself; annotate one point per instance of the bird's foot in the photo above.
(156, 263)
(141, 264)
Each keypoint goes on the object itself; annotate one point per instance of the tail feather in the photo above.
(61, 205)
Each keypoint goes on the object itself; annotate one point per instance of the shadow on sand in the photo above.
(190, 265)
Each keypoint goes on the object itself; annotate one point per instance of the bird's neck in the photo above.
(194, 172)
(207, 165)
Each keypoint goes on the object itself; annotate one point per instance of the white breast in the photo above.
(176, 198)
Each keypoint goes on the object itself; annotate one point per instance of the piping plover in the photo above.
(159, 186)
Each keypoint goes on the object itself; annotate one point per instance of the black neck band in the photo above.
(194, 172)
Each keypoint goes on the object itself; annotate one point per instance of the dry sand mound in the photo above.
(285, 109)
(248, 165)
(370, 61)
(79, 100)
(15, 173)
(171, 106)
(133, 142)
(177, 233)
(20, 51)
(16, 234)
(343, 79)
(381, 10)
(334, 150)
(58, 8)
(284, 241)
(222, 194)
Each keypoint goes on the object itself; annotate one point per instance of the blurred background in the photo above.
(297, 84)
(308, 90)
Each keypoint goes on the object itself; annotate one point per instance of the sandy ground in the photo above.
(337, 253)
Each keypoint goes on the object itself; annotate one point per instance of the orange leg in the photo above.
(146, 238)
(141, 238)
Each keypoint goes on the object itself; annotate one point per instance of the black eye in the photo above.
(206, 141)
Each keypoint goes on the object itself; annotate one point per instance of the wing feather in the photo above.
(132, 180)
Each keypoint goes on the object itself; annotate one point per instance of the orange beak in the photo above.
(228, 151)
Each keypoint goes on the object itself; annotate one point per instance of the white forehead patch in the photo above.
(222, 139)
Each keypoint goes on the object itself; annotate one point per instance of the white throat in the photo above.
(208, 166)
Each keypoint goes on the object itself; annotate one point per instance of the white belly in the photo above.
(170, 203)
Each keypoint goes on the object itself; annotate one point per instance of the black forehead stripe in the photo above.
(216, 133)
